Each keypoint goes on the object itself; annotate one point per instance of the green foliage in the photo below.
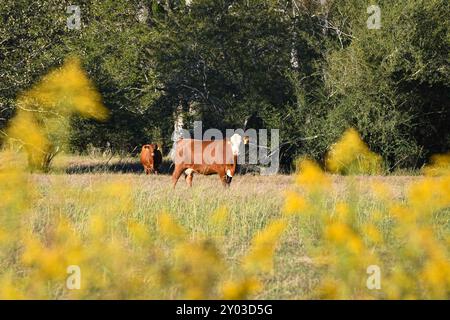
(31, 43)
(310, 70)
(225, 58)
(392, 85)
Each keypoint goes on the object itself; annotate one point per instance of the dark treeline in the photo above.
(310, 68)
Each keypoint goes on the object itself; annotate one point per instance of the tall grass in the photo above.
(109, 224)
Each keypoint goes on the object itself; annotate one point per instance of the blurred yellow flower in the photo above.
(342, 211)
(372, 233)
(350, 155)
(329, 289)
(198, 267)
(437, 273)
(43, 114)
(260, 256)
(97, 225)
(139, 232)
(422, 193)
(338, 232)
(311, 176)
(439, 165)
(25, 130)
(9, 289)
(343, 235)
(66, 90)
(294, 203)
(169, 228)
(403, 213)
(241, 289)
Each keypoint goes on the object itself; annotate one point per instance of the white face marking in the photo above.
(189, 171)
(236, 140)
(229, 173)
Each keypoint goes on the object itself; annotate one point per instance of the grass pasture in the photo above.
(251, 203)
(302, 236)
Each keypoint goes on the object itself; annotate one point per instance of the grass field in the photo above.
(118, 193)
(252, 201)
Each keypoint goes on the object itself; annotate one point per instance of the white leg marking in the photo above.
(229, 173)
(189, 171)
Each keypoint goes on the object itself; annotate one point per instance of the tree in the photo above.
(392, 83)
(312, 69)
(31, 43)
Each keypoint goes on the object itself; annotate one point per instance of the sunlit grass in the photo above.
(251, 204)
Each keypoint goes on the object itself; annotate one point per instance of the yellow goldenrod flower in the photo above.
(350, 155)
(342, 211)
(139, 232)
(9, 289)
(294, 203)
(97, 225)
(41, 122)
(372, 233)
(66, 90)
(169, 228)
(241, 289)
(311, 176)
(439, 165)
(197, 268)
(343, 235)
(260, 256)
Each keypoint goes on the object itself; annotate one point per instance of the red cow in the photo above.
(151, 158)
(206, 157)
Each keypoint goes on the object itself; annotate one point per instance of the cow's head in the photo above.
(150, 148)
(236, 141)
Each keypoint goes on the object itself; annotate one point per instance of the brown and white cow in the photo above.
(151, 158)
(206, 157)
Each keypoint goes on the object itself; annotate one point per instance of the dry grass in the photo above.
(252, 202)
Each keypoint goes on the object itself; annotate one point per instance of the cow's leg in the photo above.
(189, 178)
(223, 178)
(176, 175)
(147, 171)
(227, 180)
